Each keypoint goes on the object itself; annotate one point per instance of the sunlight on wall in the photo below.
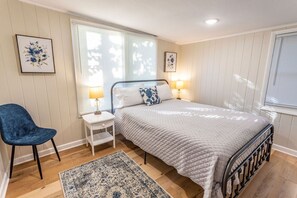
(239, 79)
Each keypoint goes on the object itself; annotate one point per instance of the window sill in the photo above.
(280, 110)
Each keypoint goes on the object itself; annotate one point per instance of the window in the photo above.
(282, 81)
(141, 58)
(103, 56)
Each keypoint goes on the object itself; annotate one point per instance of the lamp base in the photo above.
(97, 112)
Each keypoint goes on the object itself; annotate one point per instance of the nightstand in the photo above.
(96, 122)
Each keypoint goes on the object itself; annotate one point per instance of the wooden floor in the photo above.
(278, 178)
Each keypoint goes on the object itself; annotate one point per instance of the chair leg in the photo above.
(38, 161)
(11, 160)
(34, 153)
(56, 149)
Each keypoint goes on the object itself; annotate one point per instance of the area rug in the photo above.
(115, 176)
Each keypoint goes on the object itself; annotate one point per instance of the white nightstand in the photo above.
(95, 122)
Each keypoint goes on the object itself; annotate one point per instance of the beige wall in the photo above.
(164, 46)
(229, 73)
(50, 99)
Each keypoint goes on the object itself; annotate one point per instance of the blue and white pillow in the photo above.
(150, 95)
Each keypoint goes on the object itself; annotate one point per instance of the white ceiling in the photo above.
(182, 21)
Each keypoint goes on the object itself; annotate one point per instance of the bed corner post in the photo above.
(270, 143)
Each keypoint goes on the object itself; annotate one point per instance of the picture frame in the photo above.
(170, 59)
(35, 54)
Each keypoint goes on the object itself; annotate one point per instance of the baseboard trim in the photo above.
(284, 150)
(4, 185)
(49, 151)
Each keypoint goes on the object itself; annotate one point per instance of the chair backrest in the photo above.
(15, 122)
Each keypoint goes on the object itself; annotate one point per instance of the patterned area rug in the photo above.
(115, 175)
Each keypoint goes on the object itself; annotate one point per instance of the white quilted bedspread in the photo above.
(196, 139)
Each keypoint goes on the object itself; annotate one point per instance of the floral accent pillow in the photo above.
(150, 95)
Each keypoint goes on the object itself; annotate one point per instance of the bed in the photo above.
(219, 149)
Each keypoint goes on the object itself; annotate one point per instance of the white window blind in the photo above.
(104, 56)
(141, 58)
(282, 83)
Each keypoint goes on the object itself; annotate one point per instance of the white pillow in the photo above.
(164, 92)
(128, 96)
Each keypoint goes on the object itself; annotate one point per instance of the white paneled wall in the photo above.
(49, 98)
(229, 72)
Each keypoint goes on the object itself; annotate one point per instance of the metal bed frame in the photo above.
(250, 164)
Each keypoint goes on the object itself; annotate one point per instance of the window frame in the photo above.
(278, 109)
(77, 59)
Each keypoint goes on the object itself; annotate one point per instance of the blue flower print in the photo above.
(36, 54)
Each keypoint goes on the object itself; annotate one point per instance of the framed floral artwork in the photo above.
(170, 61)
(35, 54)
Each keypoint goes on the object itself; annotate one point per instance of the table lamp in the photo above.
(96, 93)
(179, 84)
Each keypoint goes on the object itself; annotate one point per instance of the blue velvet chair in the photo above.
(18, 129)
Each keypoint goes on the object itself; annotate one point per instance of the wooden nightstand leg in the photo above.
(92, 140)
(93, 152)
(113, 134)
(86, 133)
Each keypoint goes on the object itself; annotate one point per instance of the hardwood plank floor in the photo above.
(278, 178)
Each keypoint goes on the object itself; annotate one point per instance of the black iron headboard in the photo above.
(127, 82)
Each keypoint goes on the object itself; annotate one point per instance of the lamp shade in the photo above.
(179, 84)
(96, 92)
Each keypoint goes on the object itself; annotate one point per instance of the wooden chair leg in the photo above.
(56, 149)
(11, 160)
(38, 161)
(34, 153)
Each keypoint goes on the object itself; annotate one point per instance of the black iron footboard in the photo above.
(249, 166)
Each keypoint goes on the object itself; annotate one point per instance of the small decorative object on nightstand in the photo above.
(96, 93)
(179, 84)
(96, 122)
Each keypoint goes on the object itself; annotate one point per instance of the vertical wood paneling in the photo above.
(234, 98)
(231, 74)
(19, 27)
(4, 93)
(9, 58)
(76, 131)
(38, 88)
(284, 129)
(54, 20)
(215, 71)
(183, 74)
(222, 73)
(203, 83)
(198, 69)
(208, 74)
(8, 54)
(253, 70)
(293, 134)
(244, 69)
(261, 73)
(45, 110)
